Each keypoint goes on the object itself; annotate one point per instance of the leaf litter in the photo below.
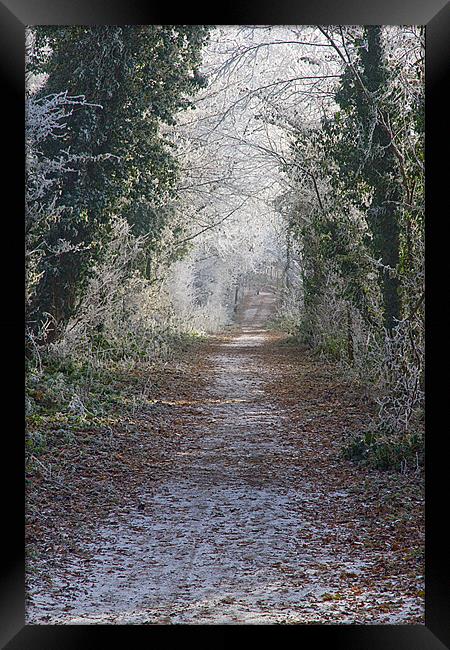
(224, 499)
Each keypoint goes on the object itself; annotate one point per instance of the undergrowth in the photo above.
(65, 395)
(382, 448)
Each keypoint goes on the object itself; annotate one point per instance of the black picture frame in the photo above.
(15, 15)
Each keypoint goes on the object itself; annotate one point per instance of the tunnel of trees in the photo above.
(224, 324)
(169, 167)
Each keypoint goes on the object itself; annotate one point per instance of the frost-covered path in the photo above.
(255, 521)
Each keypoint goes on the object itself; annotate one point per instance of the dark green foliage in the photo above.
(361, 144)
(138, 77)
(382, 448)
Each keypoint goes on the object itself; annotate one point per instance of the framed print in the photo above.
(232, 321)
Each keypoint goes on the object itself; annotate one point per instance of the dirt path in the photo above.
(256, 519)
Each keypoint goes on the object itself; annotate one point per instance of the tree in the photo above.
(138, 77)
(362, 145)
